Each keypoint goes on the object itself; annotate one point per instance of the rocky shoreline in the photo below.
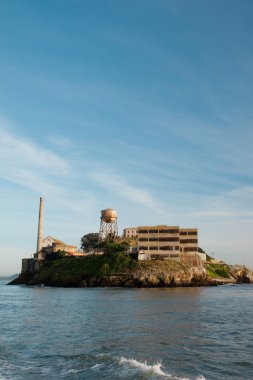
(155, 274)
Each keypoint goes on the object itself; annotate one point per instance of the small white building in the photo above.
(130, 232)
(143, 255)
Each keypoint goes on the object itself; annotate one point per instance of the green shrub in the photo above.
(70, 270)
(219, 270)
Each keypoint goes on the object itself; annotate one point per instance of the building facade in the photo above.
(130, 232)
(51, 246)
(170, 242)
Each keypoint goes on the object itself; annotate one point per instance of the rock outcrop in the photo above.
(241, 274)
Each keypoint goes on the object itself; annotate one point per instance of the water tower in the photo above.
(108, 225)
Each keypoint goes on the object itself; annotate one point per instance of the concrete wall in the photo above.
(28, 266)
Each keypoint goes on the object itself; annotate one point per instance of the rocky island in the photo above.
(108, 260)
(116, 269)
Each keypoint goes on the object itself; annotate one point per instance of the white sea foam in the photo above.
(96, 366)
(72, 370)
(155, 369)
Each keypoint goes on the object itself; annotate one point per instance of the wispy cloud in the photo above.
(120, 187)
(233, 204)
(28, 164)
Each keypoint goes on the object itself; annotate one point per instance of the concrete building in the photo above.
(52, 245)
(188, 240)
(170, 242)
(159, 241)
(130, 232)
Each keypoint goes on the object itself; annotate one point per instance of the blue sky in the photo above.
(144, 106)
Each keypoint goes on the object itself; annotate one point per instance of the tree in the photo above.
(61, 253)
(89, 241)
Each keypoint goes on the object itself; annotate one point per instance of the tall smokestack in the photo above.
(40, 231)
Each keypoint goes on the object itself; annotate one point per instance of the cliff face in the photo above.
(168, 273)
(150, 279)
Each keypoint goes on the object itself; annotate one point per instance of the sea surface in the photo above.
(104, 333)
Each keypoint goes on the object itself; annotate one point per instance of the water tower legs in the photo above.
(108, 231)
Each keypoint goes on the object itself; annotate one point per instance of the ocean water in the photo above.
(103, 333)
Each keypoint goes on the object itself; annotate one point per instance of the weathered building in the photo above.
(159, 241)
(130, 232)
(52, 245)
(170, 242)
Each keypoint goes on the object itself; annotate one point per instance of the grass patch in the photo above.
(218, 270)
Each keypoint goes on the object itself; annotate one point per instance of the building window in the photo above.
(154, 239)
(190, 249)
(143, 231)
(153, 248)
(143, 239)
(185, 241)
(153, 231)
(169, 239)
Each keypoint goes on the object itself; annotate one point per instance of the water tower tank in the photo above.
(109, 215)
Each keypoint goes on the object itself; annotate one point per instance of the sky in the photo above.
(143, 106)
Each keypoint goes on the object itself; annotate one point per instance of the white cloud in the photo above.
(28, 164)
(119, 186)
(236, 203)
(19, 151)
(242, 192)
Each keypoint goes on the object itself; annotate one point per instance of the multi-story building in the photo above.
(159, 241)
(188, 239)
(169, 242)
(130, 232)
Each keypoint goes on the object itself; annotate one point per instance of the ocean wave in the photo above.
(155, 369)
